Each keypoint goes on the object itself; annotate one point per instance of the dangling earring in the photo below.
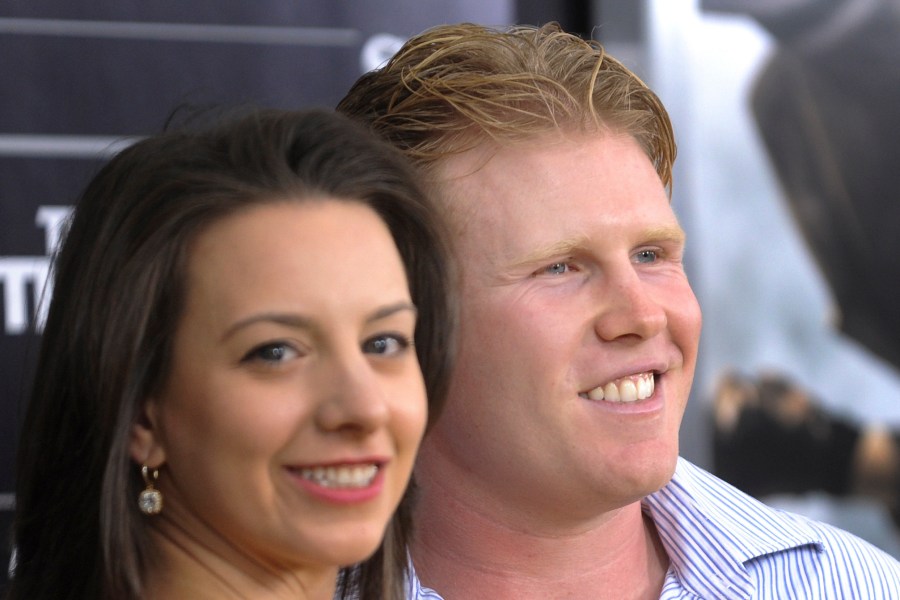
(150, 500)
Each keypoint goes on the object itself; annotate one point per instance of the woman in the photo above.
(228, 398)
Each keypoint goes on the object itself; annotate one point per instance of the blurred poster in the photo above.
(786, 111)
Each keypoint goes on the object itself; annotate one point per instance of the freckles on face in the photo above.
(295, 406)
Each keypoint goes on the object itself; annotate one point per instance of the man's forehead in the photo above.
(480, 150)
(488, 188)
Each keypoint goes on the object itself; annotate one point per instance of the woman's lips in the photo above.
(342, 483)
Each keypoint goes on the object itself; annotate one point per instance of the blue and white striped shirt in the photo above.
(723, 544)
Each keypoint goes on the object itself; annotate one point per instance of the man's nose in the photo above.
(627, 308)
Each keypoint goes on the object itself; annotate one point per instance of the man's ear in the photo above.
(145, 444)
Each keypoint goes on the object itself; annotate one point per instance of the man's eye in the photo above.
(386, 345)
(557, 268)
(646, 256)
(271, 353)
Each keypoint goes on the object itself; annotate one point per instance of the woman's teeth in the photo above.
(346, 476)
(627, 389)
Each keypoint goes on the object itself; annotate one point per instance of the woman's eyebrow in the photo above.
(294, 320)
(391, 309)
(300, 321)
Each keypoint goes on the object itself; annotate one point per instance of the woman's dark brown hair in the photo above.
(119, 286)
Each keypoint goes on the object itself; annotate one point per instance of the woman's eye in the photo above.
(386, 345)
(646, 256)
(271, 353)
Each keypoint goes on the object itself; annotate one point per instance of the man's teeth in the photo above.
(628, 389)
(346, 476)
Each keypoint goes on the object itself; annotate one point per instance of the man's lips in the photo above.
(630, 388)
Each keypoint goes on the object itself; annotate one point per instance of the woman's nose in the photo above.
(353, 400)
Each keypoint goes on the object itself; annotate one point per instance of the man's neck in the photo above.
(462, 550)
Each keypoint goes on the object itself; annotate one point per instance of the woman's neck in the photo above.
(189, 568)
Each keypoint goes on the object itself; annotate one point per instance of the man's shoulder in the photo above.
(713, 532)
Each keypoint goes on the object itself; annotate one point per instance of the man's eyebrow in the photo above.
(666, 233)
(300, 321)
(556, 249)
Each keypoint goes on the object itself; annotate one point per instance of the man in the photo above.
(550, 473)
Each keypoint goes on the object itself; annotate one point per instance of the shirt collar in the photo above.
(710, 530)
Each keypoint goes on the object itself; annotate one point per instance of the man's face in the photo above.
(579, 328)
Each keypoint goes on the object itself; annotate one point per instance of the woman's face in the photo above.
(289, 424)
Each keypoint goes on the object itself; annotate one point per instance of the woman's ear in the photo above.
(145, 444)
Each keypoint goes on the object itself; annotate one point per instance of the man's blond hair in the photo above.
(453, 86)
